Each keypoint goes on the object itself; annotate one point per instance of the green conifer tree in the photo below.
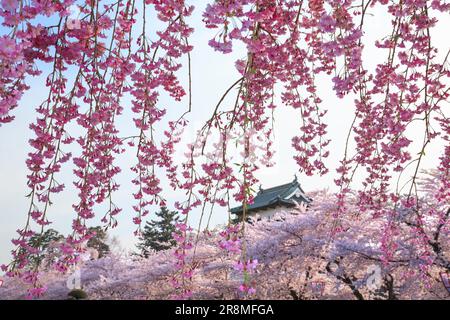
(157, 234)
(99, 241)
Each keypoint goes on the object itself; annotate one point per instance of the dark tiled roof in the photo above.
(275, 196)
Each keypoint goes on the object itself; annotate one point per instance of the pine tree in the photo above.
(42, 243)
(157, 234)
(98, 241)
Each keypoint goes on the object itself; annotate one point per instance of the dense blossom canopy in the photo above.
(289, 43)
(290, 257)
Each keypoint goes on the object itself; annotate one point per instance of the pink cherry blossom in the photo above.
(104, 61)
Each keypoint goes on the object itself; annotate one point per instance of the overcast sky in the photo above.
(213, 73)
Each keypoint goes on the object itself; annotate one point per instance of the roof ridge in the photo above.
(281, 185)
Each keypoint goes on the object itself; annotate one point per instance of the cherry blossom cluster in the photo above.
(230, 239)
(98, 41)
(157, 62)
(293, 257)
(182, 279)
(290, 43)
(247, 268)
(93, 57)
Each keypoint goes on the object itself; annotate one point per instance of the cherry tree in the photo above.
(290, 43)
(291, 256)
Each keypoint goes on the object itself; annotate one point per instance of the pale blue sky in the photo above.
(212, 74)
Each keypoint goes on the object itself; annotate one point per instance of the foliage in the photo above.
(77, 294)
(157, 234)
(44, 243)
(98, 241)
